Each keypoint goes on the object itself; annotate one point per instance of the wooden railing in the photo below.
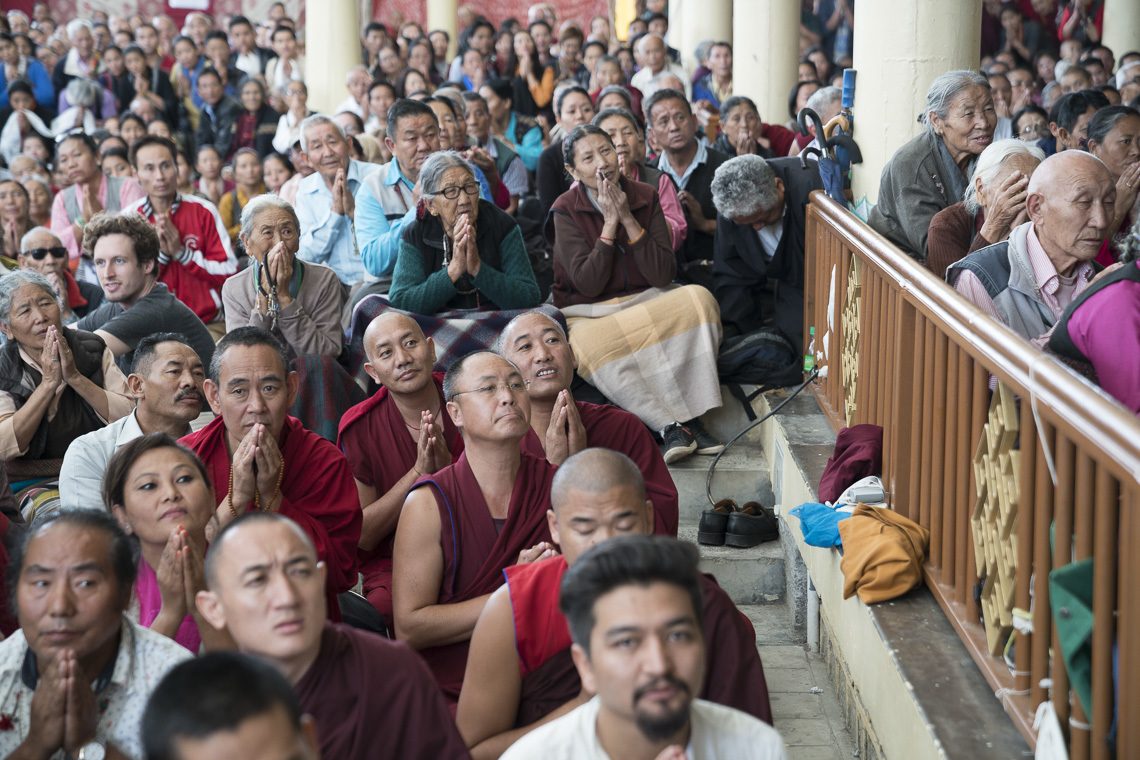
(905, 352)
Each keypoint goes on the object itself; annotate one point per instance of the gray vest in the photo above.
(74, 208)
(1006, 274)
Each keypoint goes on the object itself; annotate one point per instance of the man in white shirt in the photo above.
(357, 83)
(75, 679)
(633, 607)
(166, 382)
(655, 65)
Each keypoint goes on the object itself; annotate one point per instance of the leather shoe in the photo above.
(751, 525)
(711, 528)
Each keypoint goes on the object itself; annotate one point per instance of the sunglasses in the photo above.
(38, 254)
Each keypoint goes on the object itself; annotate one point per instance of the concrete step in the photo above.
(773, 624)
(749, 576)
(741, 474)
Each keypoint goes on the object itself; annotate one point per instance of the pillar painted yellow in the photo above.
(766, 53)
(900, 48)
(1121, 25)
(444, 14)
(332, 47)
(699, 20)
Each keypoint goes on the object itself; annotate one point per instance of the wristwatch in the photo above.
(92, 750)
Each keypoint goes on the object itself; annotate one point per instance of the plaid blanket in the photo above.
(455, 333)
(325, 391)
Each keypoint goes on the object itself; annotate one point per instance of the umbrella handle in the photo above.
(806, 115)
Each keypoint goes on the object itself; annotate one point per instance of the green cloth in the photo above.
(1071, 599)
(417, 291)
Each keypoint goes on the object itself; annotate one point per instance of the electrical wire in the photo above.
(712, 467)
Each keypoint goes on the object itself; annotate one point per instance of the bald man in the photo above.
(393, 439)
(369, 696)
(655, 66)
(520, 673)
(42, 251)
(461, 526)
(1027, 281)
(561, 426)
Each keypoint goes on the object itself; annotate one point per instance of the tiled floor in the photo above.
(803, 707)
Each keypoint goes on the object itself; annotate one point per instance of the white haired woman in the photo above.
(933, 170)
(993, 205)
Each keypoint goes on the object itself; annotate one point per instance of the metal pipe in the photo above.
(812, 617)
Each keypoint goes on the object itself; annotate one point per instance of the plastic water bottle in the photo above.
(809, 357)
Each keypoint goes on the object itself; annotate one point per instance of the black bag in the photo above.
(765, 358)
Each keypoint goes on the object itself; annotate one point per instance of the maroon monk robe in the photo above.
(474, 553)
(380, 450)
(317, 493)
(734, 675)
(374, 698)
(610, 427)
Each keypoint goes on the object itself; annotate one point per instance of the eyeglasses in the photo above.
(451, 193)
(38, 254)
(486, 391)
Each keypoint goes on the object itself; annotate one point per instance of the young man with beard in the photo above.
(520, 674)
(561, 426)
(461, 526)
(166, 383)
(397, 436)
(633, 605)
(125, 251)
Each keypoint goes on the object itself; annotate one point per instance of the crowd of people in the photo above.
(388, 394)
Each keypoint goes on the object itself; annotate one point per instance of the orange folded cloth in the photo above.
(883, 554)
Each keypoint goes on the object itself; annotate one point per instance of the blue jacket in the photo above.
(40, 81)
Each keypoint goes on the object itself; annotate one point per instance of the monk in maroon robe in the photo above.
(369, 696)
(561, 426)
(393, 439)
(461, 526)
(261, 459)
(520, 673)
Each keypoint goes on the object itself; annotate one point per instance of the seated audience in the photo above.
(462, 525)
(465, 253)
(520, 673)
(656, 66)
(299, 302)
(561, 427)
(75, 678)
(397, 436)
(715, 87)
(261, 459)
(932, 171)
(629, 143)
(15, 219)
(1114, 138)
(691, 165)
(160, 493)
(226, 706)
(289, 125)
(195, 256)
(125, 252)
(642, 596)
(514, 126)
(387, 204)
(23, 117)
(55, 384)
(326, 202)
(1069, 121)
(257, 125)
(492, 151)
(210, 183)
(993, 205)
(166, 385)
(287, 65)
(613, 267)
(368, 696)
(217, 124)
(1101, 328)
(761, 223)
(43, 252)
(276, 170)
(573, 107)
(247, 184)
(90, 192)
(1027, 281)
(356, 82)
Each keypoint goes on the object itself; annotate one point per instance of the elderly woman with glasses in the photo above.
(461, 252)
(90, 191)
(56, 384)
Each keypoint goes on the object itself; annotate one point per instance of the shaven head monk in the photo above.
(641, 642)
(393, 439)
(520, 674)
(561, 426)
(262, 459)
(461, 526)
(266, 586)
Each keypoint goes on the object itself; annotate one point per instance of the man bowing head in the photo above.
(461, 526)
(261, 459)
